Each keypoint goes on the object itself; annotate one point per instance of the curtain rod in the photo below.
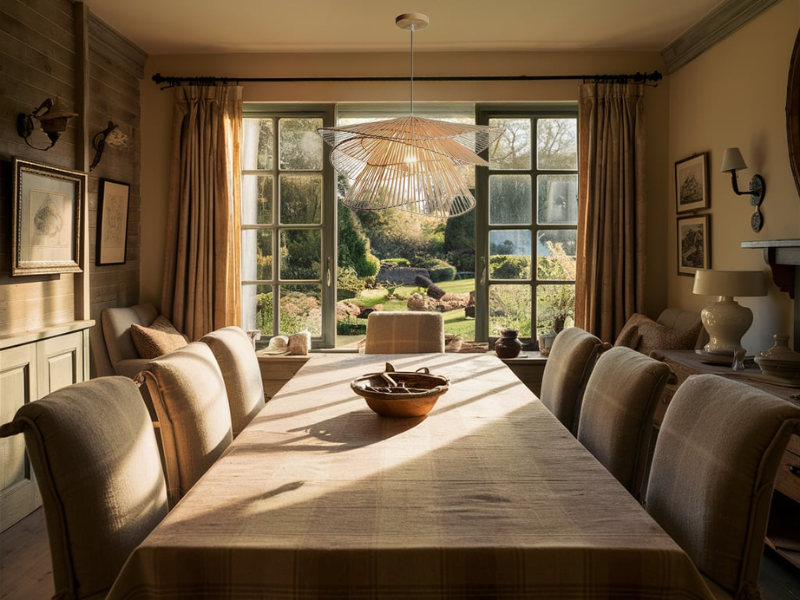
(171, 81)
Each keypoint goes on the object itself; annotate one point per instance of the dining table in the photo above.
(487, 496)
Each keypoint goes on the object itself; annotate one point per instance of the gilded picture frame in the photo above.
(46, 218)
(112, 222)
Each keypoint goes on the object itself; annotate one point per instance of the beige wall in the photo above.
(734, 95)
(156, 115)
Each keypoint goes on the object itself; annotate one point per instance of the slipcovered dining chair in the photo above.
(566, 372)
(97, 465)
(194, 417)
(713, 473)
(406, 332)
(237, 360)
(616, 420)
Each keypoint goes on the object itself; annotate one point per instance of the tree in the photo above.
(354, 247)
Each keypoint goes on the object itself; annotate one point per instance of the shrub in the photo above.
(347, 281)
(506, 266)
(396, 262)
(444, 272)
(349, 326)
(462, 260)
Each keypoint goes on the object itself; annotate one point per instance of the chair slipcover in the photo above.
(616, 421)
(410, 332)
(568, 367)
(189, 397)
(713, 473)
(97, 465)
(237, 360)
(116, 325)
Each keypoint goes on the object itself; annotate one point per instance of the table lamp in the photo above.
(725, 320)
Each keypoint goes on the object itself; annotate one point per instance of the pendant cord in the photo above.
(412, 69)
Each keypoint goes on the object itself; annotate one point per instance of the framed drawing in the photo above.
(112, 222)
(694, 244)
(691, 183)
(46, 215)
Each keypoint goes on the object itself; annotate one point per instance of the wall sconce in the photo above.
(733, 161)
(52, 117)
(112, 136)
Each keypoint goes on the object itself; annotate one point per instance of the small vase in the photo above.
(780, 361)
(509, 345)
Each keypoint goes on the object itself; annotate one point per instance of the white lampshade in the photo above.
(732, 161)
(710, 282)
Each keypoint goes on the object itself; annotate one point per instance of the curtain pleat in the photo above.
(202, 278)
(610, 280)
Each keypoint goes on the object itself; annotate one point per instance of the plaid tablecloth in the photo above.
(487, 497)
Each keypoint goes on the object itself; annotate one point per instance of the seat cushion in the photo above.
(96, 461)
(713, 473)
(616, 419)
(240, 370)
(188, 392)
(157, 339)
(566, 372)
(409, 332)
(117, 329)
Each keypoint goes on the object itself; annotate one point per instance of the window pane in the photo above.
(555, 307)
(512, 151)
(300, 253)
(557, 199)
(509, 199)
(301, 199)
(301, 309)
(300, 146)
(257, 308)
(256, 254)
(258, 144)
(510, 254)
(510, 308)
(257, 199)
(556, 255)
(557, 144)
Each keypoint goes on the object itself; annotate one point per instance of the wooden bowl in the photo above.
(401, 393)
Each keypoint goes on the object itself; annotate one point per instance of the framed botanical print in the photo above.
(46, 217)
(694, 244)
(691, 183)
(112, 222)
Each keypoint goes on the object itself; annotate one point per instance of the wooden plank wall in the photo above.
(40, 58)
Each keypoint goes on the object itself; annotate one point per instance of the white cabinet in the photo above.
(29, 371)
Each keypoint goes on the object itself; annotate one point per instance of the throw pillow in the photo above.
(629, 335)
(158, 339)
(658, 337)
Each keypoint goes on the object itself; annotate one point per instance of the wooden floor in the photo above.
(26, 574)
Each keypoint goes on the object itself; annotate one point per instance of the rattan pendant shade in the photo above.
(408, 163)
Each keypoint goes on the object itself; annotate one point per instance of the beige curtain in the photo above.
(202, 261)
(610, 281)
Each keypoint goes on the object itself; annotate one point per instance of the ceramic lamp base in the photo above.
(726, 322)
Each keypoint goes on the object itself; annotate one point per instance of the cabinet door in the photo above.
(60, 362)
(19, 495)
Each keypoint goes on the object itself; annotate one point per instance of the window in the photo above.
(527, 224)
(287, 218)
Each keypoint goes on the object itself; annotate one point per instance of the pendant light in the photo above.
(408, 163)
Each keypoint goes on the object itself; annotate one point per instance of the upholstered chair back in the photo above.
(237, 360)
(566, 372)
(188, 393)
(617, 413)
(97, 466)
(713, 473)
(408, 332)
(117, 341)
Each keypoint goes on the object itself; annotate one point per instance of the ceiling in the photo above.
(214, 26)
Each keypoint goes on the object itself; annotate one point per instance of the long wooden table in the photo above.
(486, 497)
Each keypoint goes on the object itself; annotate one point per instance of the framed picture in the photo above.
(691, 183)
(112, 222)
(46, 213)
(694, 244)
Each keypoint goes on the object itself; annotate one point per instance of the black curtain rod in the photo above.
(636, 78)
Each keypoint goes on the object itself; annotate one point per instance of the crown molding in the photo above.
(712, 29)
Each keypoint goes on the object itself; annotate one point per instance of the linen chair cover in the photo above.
(713, 473)
(617, 414)
(566, 372)
(118, 343)
(408, 332)
(97, 465)
(189, 397)
(239, 365)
